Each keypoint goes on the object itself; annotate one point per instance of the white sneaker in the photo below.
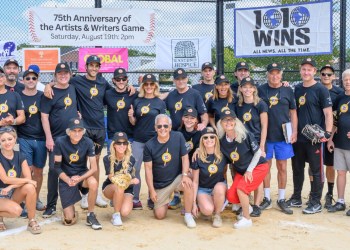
(100, 202)
(217, 221)
(240, 216)
(243, 223)
(235, 207)
(190, 223)
(84, 202)
(116, 219)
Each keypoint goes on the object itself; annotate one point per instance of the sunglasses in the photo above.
(7, 129)
(207, 137)
(121, 79)
(162, 126)
(327, 74)
(34, 78)
(149, 84)
(122, 143)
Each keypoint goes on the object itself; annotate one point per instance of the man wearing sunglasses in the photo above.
(165, 158)
(11, 70)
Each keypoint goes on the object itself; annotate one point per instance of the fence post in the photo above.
(98, 3)
(220, 36)
(342, 42)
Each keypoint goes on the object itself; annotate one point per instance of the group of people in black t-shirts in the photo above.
(187, 140)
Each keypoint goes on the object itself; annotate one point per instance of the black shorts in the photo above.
(328, 157)
(70, 195)
(98, 136)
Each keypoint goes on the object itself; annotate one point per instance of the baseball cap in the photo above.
(207, 65)
(220, 79)
(179, 73)
(228, 113)
(2, 70)
(29, 71)
(62, 67)
(329, 67)
(120, 136)
(208, 130)
(35, 68)
(93, 58)
(75, 123)
(247, 80)
(274, 66)
(309, 61)
(190, 111)
(11, 61)
(119, 73)
(242, 65)
(149, 77)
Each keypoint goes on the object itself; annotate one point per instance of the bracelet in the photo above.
(184, 174)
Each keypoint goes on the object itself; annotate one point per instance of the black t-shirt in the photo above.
(74, 156)
(90, 95)
(166, 158)
(206, 91)
(13, 167)
(341, 105)
(279, 101)
(19, 87)
(310, 103)
(118, 105)
(176, 103)
(217, 106)
(240, 154)
(32, 129)
(10, 102)
(192, 140)
(234, 87)
(250, 116)
(61, 108)
(117, 167)
(210, 173)
(334, 92)
(146, 111)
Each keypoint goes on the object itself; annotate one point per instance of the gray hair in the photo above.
(160, 116)
(345, 73)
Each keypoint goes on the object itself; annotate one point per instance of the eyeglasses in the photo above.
(121, 79)
(327, 74)
(6, 129)
(122, 143)
(207, 137)
(33, 78)
(162, 126)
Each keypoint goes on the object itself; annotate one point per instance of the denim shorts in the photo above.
(9, 194)
(34, 152)
(208, 191)
(281, 150)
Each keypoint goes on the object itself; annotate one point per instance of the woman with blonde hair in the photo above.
(119, 161)
(16, 184)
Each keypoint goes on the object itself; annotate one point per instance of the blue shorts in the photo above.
(281, 150)
(208, 191)
(34, 152)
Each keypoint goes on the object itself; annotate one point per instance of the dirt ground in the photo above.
(273, 230)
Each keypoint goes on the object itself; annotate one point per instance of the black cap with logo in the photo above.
(179, 73)
(62, 67)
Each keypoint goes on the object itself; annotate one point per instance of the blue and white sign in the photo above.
(8, 50)
(284, 30)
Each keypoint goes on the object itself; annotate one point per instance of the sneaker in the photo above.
(217, 221)
(240, 215)
(256, 211)
(24, 213)
(100, 202)
(49, 212)
(93, 222)
(294, 202)
(190, 223)
(84, 202)
(348, 213)
(40, 206)
(235, 207)
(175, 203)
(150, 204)
(137, 205)
(337, 207)
(265, 204)
(243, 223)
(328, 201)
(116, 219)
(313, 208)
(282, 204)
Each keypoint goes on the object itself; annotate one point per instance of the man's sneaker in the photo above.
(243, 223)
(100, 202)
(313, 208)
(93, 222)
(328, 201)
(150, 204)
(190, 223)
(49, 211)
(236, 207)
(348, 213)
(256, 211)
(282, 204)
(40, 206)
(294, 202)
(137, 205)
(84, 202)
(217, 221)
(337, 207)
(265, 204)
(240, 215)
(175, 203)
(116, 219)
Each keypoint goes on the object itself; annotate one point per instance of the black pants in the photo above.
(52, 183)
(306, 152)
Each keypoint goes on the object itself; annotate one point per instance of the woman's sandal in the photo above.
(34, 227)
(2, 226)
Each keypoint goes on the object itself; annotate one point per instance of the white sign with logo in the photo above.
(8, 50)
(284, 30)
(187, 53)
(91, 27)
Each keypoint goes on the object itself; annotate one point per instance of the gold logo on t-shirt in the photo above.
(212, 169)
(190, 144)
(225, 108)
(344, 108)
(33, 109)
(74, 157)
(234, 155)
(93, 91)
(166, 157)
(247, 116)
(12, 172)
(178, 105)
(302, 100)
(208, 95)
(120, 104)
(67, 101)
(3, 107)
(145, 109)
(273, 100)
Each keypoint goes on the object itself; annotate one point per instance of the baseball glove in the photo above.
(121, 179)
(314, 133)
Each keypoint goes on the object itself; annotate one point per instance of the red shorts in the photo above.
(258, 174)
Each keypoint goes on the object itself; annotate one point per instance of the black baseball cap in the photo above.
(242, 65)
(220, 79)
(75, 123)
(308, 61)
(179, 73)
(93, 58)
(190, 111)
(119, 73)
(228, 113)
(30, 71)
(149, 77)
(274, 66)
(328, 66)
(62, 67)
(247, 80)
(208, 130)
(207, 65)
(120, 136)
(2, 70)
(9, 61)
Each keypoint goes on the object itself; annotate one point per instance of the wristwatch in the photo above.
(184, 174)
